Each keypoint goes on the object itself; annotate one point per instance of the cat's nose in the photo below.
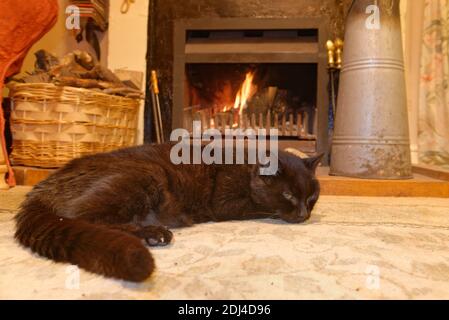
(297, 216)
(304, 213)
(296, 219)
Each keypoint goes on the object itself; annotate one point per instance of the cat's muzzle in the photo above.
(296, 216)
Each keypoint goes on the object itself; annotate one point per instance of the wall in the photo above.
(60, 41)
(128, 42)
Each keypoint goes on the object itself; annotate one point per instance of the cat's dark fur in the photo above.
(95, 211)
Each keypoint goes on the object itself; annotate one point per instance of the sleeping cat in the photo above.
(96, 210)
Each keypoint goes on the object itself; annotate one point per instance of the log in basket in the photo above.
(52, 125)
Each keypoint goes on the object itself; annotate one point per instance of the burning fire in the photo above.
(246, 91)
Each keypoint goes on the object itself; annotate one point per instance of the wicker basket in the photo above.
(52, 125)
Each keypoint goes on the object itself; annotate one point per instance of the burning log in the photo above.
(267, 108)
(260, 102)
(280, 102)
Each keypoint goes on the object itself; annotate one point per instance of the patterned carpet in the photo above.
(352, 248)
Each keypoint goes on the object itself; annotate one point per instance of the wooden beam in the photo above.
(28, 176)
(432, 171)
(419, 186)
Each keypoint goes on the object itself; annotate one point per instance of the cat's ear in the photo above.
(313, 162)
(297, 153)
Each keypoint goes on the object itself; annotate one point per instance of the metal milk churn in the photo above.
(371, 137)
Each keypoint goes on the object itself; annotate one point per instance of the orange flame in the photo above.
(245, 92)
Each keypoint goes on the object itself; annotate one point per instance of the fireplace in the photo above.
(252, 73)
(245, 64)
(270, 95)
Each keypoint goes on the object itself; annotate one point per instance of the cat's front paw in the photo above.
(156, 235)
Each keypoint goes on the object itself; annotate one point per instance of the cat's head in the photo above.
(292, 192)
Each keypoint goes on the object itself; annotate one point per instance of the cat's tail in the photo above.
(92, 247)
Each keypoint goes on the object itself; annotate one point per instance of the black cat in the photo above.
(95, 211)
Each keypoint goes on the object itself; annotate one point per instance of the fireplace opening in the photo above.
(253, 73)
(253, 96)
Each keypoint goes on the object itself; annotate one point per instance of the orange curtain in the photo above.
(22, 23)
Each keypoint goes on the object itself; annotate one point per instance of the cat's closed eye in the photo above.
(313, 198)
(311, 201)
(287, 195)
